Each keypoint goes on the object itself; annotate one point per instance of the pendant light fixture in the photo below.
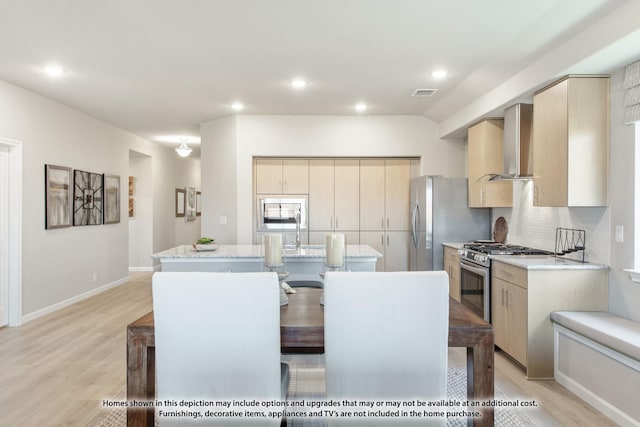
(183, 150)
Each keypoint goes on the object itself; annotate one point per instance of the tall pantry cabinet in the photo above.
(334, 199)
(384, 210)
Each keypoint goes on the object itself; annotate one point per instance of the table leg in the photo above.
(140, 380)
(480, 374)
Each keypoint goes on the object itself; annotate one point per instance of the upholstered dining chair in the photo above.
(217, 338)
(386, 338)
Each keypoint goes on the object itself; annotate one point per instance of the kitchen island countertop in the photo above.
(257, 251)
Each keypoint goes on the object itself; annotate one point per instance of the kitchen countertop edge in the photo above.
(536, 262)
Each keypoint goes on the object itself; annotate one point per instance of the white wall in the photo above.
(231, 146)
(58, 266)
(141, 224)
(624, 295)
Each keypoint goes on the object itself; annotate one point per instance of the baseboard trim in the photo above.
(62, 304)
(136, 269)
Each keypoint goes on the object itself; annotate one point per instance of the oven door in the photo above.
(475, 289)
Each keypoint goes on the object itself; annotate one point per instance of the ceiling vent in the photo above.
(424, 92)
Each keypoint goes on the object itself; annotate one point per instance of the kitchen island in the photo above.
(303, 263)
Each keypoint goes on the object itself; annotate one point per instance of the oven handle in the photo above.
(478, 270)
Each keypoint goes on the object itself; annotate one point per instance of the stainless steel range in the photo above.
(475, 272)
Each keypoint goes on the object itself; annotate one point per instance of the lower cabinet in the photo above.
(522, 301)
(393, 245)
(452, 267)
(509, 315)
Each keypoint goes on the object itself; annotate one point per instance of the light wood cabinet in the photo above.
(452, 267)
(393, 245)
(334, 195)
(385, 192)
(321, 195)
(282, 176)
(509, 302)
(485, 156)
(522, 301)
(571, 142)
(372, 191)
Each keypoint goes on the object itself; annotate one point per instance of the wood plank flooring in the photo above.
(55, 370)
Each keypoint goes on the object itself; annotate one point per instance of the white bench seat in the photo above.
(597, 356)
(617, 333)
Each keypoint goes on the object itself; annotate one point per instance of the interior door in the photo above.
(4, 231)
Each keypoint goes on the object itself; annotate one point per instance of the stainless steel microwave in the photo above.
(281, 212)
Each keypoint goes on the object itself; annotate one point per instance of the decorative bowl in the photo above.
(207, 247)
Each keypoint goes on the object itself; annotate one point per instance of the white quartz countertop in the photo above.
(543, 262)
(257, 251)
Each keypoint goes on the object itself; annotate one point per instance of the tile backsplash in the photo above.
(536, 226)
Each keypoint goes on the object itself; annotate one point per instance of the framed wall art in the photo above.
(111, 199)
(87, 198)
(191, 204)
(58, 196)
(180, 196)
(198, 203)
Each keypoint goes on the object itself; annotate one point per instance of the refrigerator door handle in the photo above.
(414, 224)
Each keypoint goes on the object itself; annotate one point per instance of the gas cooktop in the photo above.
(502, 249)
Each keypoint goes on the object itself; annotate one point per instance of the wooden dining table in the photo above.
(302, 331)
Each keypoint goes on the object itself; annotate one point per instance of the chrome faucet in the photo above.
(298, 230)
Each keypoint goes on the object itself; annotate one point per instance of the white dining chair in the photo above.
(386, 338)
(217, 338)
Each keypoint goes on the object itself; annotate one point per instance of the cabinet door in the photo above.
(372, 214)
(499, 317)
(452, 267)
(295, 176)
(268, 176)
(397, 194)
(347, 195)
(396, 252)
(485, 156)
(321, 195)
(517, 321)
(550, 151)
(376, 240)
(475, 168)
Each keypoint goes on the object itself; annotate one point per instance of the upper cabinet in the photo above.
(282, 176)
(333, 194)
(485, 157)
(571, 142)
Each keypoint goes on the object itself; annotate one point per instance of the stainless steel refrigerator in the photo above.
(439, 214)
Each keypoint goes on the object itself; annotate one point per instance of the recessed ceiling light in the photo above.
(361, 106)
(54, 70)
(238, 106)
(439, 74)
(298, 83)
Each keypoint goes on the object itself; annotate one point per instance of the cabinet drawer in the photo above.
(509, 273)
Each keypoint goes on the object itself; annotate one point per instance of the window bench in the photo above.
(597, 357)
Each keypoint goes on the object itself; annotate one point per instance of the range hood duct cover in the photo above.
(517, 144)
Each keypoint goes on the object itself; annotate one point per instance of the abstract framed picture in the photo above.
(180, 196)
(111, 199)
(191, 204)
(198, 203)
(87, 198)
(58, 196)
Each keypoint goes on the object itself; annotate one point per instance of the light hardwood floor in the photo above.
(55, 370)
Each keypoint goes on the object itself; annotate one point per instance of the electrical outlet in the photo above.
(222, 220)
(95, 277)
(619, 234)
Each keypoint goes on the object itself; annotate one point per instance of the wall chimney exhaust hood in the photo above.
(517, 144)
